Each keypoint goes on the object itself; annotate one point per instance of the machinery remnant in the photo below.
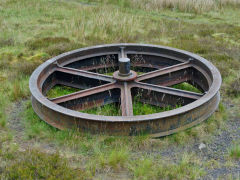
(161, 67)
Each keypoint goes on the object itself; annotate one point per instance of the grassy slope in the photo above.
(33, 31)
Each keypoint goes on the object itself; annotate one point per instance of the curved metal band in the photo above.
(159, 124)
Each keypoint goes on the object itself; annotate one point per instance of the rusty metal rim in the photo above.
(214, 88)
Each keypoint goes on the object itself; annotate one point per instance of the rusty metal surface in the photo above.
(162, 68)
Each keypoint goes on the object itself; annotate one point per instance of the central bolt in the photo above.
(124, 67)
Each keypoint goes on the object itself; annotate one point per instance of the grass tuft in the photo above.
(234, 152)
(60, 90)
(118, 158)
(186, 86)
(234, 87)
(20, 89)
(144, 168)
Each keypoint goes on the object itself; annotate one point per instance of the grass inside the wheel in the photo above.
(139, 108)
(186, 86)
(114, 109)
(60, 90)
(106, 110)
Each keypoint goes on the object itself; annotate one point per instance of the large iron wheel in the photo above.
(162, 67)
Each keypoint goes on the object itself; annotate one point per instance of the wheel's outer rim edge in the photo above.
(44, 101)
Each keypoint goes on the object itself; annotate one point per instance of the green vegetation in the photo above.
(112, 154)
(33, 164)
(59, 90)
(106, 110)
(188, 167)
(234, 87)
(192, 6)
(34, 31)
(139, 108)
(234, 151)
(187, 87)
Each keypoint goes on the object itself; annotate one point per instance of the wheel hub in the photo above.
(130, 77)
(162, 69)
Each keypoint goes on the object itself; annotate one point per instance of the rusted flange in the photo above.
(163, 67)
(132, 75)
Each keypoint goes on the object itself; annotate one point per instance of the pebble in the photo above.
(202, 146)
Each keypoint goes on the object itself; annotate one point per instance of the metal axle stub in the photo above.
(124, 67)
(161, 69)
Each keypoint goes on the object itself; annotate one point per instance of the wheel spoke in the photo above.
(122, 53)
(86, 74)
(166, 76)
(126, 100)
(174, 94)
(84, 93)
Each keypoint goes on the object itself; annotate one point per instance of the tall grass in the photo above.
(96, 26)
(195, 6)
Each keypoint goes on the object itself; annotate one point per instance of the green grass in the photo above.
(111, 154)
(114, 109)
(139, 108)
(33, 164)
(60, 90)
(187, 87)
(234, 151)
(106, 110)
(34, 31)
(188, 167)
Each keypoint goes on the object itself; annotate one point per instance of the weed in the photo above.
(234, 87)
(234, 151)
(3, 116)
(19, 89)
(144, 168)
(118, 158)
(187, 87)
(33, 164)
(60, 90)
(106, 110)
(187, 167)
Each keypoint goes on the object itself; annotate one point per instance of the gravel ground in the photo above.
(217, 149)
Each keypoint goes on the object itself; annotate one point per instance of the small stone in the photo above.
(202, 146)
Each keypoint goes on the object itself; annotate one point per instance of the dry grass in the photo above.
(234, 87)
(195, 6)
